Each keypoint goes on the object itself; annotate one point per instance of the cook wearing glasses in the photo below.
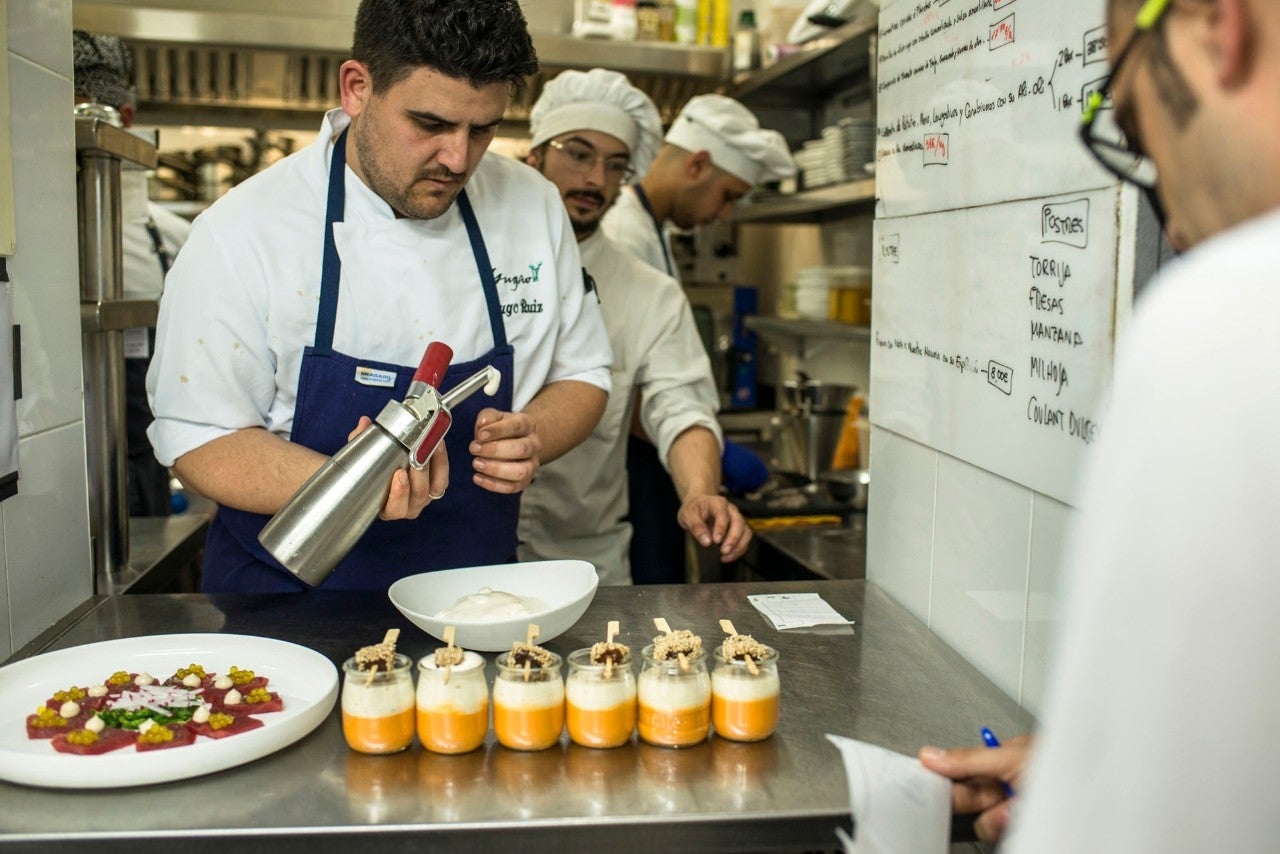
(1160, 728)
(589, 130)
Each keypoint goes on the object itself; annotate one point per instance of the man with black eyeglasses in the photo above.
(1160, 732)
(590, 130)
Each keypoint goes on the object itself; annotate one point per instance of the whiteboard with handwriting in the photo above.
(996, 349)
(997, 236)
(979, 101)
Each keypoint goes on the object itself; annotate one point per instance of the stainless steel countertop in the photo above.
(826, 551)
(887, 680)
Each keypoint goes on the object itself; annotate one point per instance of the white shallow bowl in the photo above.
(564, 587)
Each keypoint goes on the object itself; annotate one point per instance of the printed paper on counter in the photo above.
(899, 806)
(796, 610)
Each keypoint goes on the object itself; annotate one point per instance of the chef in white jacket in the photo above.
(306, 297)
(713, 154)
(589, 131)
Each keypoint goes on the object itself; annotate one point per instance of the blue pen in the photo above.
(989, 738)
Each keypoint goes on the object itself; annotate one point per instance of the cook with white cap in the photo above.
(713, 155)
(306, 296)
(590, 130)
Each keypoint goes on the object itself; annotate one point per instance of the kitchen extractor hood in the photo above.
(273, 63)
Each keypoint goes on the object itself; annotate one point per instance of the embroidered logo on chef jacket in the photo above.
(375, 377)
(513, 281)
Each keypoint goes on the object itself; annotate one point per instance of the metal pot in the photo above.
(852, 486)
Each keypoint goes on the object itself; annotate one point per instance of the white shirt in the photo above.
(630, 226)
(1162, 724)
(143, 278)
(240, 303)
(575, 506)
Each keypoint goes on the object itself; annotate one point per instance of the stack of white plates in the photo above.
(839, 154)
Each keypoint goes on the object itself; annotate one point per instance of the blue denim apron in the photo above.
(469, 527)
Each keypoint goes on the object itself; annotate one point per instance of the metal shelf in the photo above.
(802, 329)
(809, 76)
(809, 206)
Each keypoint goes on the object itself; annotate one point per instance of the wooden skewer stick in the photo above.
(727, 627)
(611, 631)
(528, 662)
(662, 625)
(684, 662)
(388, 640)
(450, 632)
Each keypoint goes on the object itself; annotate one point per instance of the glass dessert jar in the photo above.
(744, 694)
(600, 700)
(674, 702)
(377, 706)
(453, 703)
(528, 705)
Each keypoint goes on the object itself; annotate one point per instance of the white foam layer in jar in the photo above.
(530, 695)
(592, 692)
(661, 692)
(376, 700)
(466, 690)
(728, 684)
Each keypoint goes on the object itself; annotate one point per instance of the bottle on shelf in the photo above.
(666, 20)
(746, 43)
(704, 22)
(647, 21)
(686, 22)
(593, 19)
(720, 35)
(624, 20)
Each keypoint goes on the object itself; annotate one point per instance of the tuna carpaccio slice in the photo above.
(239, 724)
(109, 739)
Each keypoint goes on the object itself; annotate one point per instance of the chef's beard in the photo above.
(401, 198)
(585, 228)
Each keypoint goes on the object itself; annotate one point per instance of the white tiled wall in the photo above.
(972, 555)
(45, 559)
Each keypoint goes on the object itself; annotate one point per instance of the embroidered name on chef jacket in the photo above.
(513, 282)
(375, 377)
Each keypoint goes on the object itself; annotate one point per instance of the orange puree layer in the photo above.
(676, 728)
(744, 720)
(452, 731)
(601, 727)
(379, 735)
(526, 727)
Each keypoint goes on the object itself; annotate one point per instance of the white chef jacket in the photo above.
(1162, 724)
(240, 303)
(629, 225)
(576, 504)
(142, 276)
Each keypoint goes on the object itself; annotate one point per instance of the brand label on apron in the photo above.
(375, 377)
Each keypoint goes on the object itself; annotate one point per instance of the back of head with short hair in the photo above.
(480, 41)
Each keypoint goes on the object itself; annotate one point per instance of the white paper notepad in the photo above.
(796, 610)
(898, 805)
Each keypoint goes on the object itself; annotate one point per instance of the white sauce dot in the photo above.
(95, 724)
(97, 691)
(233, 698)
(144, 679)
(191, 680)
(145, 725)
(223, 682)
(201, 715)
(69, 709)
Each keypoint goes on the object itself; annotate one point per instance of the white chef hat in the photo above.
(599, 100)
(733, 137)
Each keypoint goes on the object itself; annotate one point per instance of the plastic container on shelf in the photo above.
(624, 20)
(811, 290)
(593, 19)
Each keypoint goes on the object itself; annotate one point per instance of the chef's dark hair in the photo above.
(480, 41)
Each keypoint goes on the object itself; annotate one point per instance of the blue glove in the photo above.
(742, 469)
